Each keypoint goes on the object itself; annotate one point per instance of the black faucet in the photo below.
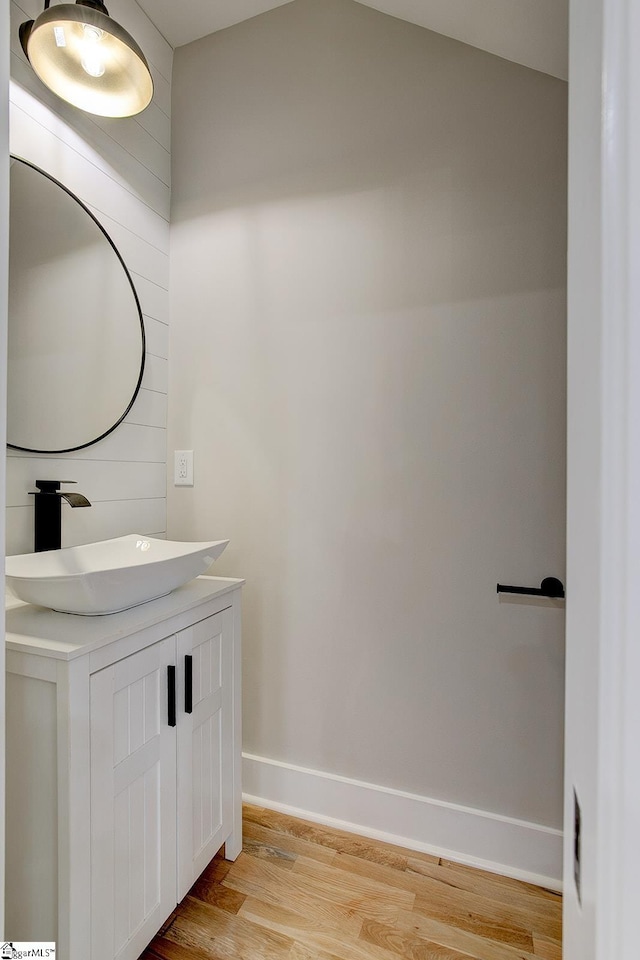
(48, 512)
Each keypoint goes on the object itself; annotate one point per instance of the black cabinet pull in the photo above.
(171, 691)
(550, 587)
(188, 684)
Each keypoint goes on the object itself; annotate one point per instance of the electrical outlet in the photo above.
(577, 845)
(183, 468)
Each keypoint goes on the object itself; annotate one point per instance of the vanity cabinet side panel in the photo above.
(32, 809)
(74, 800)
(233, 843)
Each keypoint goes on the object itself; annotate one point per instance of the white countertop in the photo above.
(64, 636)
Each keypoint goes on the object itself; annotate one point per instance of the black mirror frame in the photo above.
(89, 443)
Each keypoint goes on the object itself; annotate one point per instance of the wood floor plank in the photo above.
(339, 840)
(281, 889)
(300, 952)
(358, 897)
(546, 950)
(312, 932)
(166, 950)
(409, 881)
(324, 940)
(487, 886)
(360, 887)
(405, 944)
(217, 869)
(225, 936)
(441, 897)
(209, 891)
(520, 885)
(269, 851)
(464, 914)
(274, 838)
(489, 929)
(470, 944)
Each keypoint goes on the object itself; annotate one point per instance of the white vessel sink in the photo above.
(110, 575)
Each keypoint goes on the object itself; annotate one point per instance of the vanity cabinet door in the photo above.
(205, 744)
(133, 802)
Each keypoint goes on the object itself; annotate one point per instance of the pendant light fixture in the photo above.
(88, 59)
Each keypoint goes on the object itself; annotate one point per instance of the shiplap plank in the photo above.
(149, 409)
(153, 298)
(154, 46)
(118, 480)
(140, 255)
(101, 521)
(115, 519)
(157, 124)
(19, 530)
(140, 144)
(161, 90)
(157, 336)
(157, 50)
(129, 442)
(156, 374)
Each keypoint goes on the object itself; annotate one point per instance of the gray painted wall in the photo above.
(368, 358)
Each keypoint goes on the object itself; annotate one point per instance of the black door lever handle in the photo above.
(550, 587)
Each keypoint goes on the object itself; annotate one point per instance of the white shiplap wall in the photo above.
(121, 170)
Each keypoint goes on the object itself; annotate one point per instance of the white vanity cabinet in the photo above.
(129, 726)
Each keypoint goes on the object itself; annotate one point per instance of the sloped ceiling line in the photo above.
(531, 32)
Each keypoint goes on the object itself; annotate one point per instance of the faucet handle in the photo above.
(51, 486)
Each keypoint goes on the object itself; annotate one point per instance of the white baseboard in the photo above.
(513, 848)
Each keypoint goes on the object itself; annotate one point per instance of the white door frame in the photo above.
(603, 629)
(618, 847)
(4, 294)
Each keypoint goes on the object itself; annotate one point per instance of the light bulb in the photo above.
(92, 60)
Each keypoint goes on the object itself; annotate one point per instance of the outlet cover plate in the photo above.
(183, 468)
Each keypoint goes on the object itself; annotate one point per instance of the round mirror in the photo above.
(76, 336)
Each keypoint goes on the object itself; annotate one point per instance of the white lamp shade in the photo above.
(90, 61)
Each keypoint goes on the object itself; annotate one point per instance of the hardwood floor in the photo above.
(300, 891)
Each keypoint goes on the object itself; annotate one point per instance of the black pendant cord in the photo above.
(95, 5)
